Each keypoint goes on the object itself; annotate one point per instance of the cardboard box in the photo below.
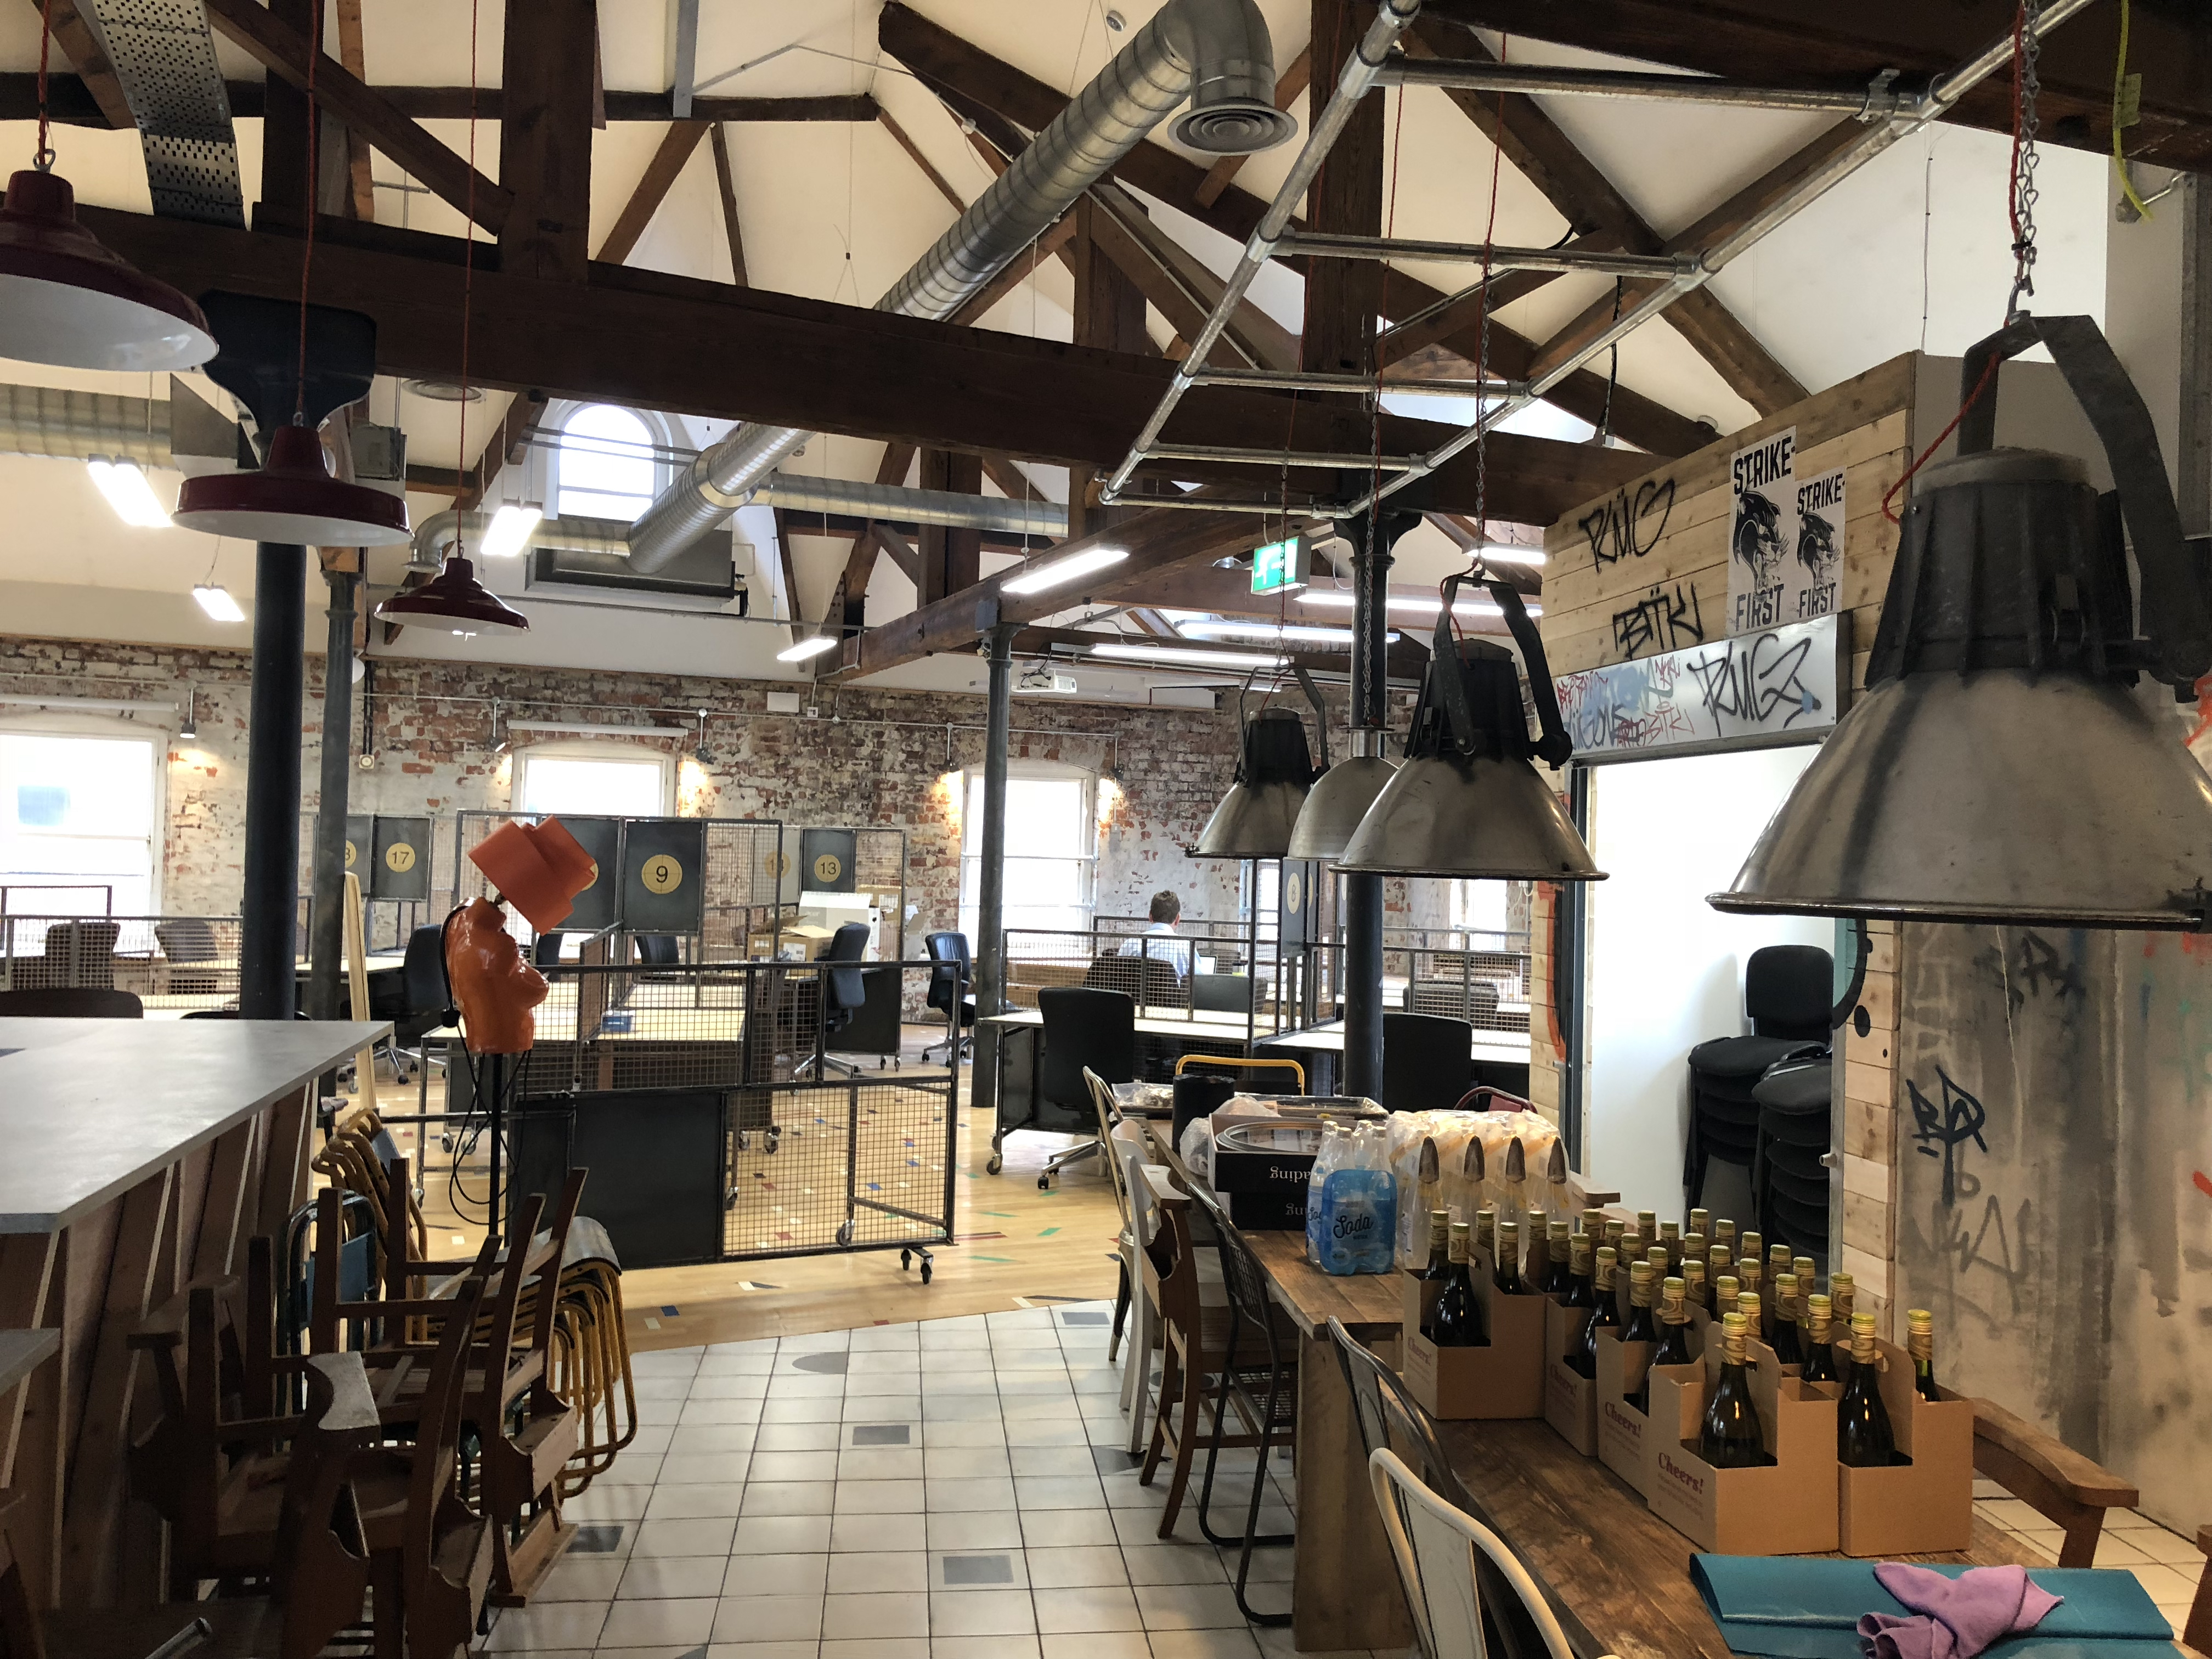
(1262, 1185)
(1570, 1398)
(1505, 1379)
(1923, 1506)
(803, 937)
(1787, 1508)
(1623, 1445)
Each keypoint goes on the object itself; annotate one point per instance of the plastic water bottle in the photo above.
(1317, 1179)
(1357, 1223)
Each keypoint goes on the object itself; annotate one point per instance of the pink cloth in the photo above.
(1954, 1618)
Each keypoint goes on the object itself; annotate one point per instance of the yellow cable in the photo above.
(2119, 93)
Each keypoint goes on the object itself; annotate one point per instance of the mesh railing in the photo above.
(176, 965)
(1170, 975)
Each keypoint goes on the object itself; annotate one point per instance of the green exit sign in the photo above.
(1279, 565)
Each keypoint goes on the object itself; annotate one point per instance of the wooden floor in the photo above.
(1014, 1246)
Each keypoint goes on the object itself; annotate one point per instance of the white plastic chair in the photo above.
(1144, 1334)
(1434, 1545)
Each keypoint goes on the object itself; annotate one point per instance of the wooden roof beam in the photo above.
(678, 145)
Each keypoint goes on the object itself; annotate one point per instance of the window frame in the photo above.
(543, 476)
(624, 751)
(114, 728)
(1086, 780)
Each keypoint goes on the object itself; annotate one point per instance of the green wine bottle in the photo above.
(1506, 1266)
(1459, 1322)
(1701, 1221)
(1864, 1439)
(1642, 1327)
(1724, 1232)
(1787, 1348)
(1605, 1314)
(1920, 1343)
(1673, 1347)
(1695, 1289)
(1730, 1437)
(1820, 1356)
(1561, 1250)
(1536, 1270)
(1485, 1241)
(1582, 1291)
(1438, 1270)
(1670, 1238)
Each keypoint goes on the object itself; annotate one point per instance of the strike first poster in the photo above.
(1762, 531)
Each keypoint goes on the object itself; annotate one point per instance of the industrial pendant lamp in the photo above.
(1336, 803)
(1273, 772)
(1999, 767)
(291, 497)
(1468, 803)
(453, 596)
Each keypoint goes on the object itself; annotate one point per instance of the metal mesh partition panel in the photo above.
(172, 963)
(834, 1139)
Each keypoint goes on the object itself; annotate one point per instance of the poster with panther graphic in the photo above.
(1762, 531)
(1815, 573)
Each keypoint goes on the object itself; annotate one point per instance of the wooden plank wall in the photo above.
(1645, 570)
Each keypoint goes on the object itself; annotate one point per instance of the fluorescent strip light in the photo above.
(128, 492)
(808, 648)
(1169, 656)
(1060, 572)
(1511, 553)
(1336, 600)
(581, 729)
(215, 600)
(509, 531)
(1229, 628)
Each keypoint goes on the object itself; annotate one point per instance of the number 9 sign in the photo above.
(661, 874)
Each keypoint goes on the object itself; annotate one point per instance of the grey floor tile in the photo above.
(673, 1579)
(690, 1537)
(658, 1622)
(782, 1535)
(872, 1573)
(881, 1496)
(894, 1614)
(750, 1618)
(1076, 1566)
(705, 1468)
(1065, 1492)
(947, 1496)
(1067, 1529)
(581, 1579)
(776, 1575)
(1190, 1607)
(1089, 1608)
(790, 1498)
(793, 1466)
(981, 1612)
(879, 1463)
(978, 1568)
(690, 1503)
(871, 1533)
(975, 1529)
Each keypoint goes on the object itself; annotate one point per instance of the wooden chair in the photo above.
(1437, 1547)
(2199, 1630)
(1196, 1320)
(1147, 1249)
(527, 1431)
(2053, 1479)
(1102, 1101)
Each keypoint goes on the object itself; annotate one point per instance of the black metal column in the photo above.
(326, 979)
(1363, 894)
(991, 897)
(270, 913)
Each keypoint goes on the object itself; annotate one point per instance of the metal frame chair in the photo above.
(1430, 1539)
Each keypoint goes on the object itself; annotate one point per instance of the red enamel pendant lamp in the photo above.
(454, 597)
(291, 497)
(68, 300)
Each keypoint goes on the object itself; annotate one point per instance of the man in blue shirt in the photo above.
(1166, 911)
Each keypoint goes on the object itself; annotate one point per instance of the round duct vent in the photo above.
(1234, 126)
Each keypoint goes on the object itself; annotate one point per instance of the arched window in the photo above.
(606, 467)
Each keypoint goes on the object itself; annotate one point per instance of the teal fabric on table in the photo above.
(1808, 1606)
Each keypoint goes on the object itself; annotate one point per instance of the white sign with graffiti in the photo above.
(1774, 681)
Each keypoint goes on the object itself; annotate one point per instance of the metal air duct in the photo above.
(1999, 768)
(1215, 54)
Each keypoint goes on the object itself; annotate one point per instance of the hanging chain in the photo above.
(2028, 48)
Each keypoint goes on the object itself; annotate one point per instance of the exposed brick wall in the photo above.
(433, 738)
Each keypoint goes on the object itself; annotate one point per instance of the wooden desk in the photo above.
(1617, 1576)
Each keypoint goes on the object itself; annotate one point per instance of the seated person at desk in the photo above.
(1158, 943)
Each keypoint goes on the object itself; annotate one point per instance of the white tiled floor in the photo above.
(901, 1491)
(2169, 1563)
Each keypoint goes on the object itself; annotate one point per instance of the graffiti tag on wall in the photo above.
(1784, 679)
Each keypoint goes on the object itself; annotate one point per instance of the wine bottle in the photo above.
(1673, 1347)
(1724, 1232)
(1864, 1439)
(1439, 1264)
(1720, 1259)
(1752, 1247)
(1561, 1249)
(1778, 1260)
(1505, 1266)
(1751, 1281)
(1459, 1322)
(1628, 1248)
(1701, 1221)
(1920, 1343)
(1696, 1291)
(1842, 1289)
(1594, 1224)
(1730, 1437)
(1647, 1225)
(1725, 1291)
(1605, 1314)
(1536, 1270)
(1747, 1304)
(1660, 1266)
(1485, 1241)
(1787, 1348)
(1582, 1289)
(1820, 1356)
(1641, 1326)
(1613, 1230)
(1696, 1247)
(1670, 1239)
(1807, 1274)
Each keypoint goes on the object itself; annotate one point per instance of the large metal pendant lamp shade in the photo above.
(1339, 800)
(1273, 772)
(68, 300)
(1468, 803)
(2001, 767)
(291, 497)
(455, 597)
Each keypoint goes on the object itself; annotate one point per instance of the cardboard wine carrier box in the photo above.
(1505, 1379)
(1787, 1508)
(1622, 1444)
(1570, 1398)
(1923, 1506)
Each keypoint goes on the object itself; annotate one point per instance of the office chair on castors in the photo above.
(951, 991)
(1788, 994)
(1083, 1029)
(843, 991)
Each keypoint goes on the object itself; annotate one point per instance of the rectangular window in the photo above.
(1050, 858)
(78, 835)
(592, 786)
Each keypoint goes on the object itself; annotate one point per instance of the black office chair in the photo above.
(424, 1002)
(71, 1002)
(545, 951)
(1788, 1181)
(1221, 994)
(1789, 992)
(951, 990)
(657, 950)
(1084, 1029)
(1428, 1062)
(843, 991)
(188, 939)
